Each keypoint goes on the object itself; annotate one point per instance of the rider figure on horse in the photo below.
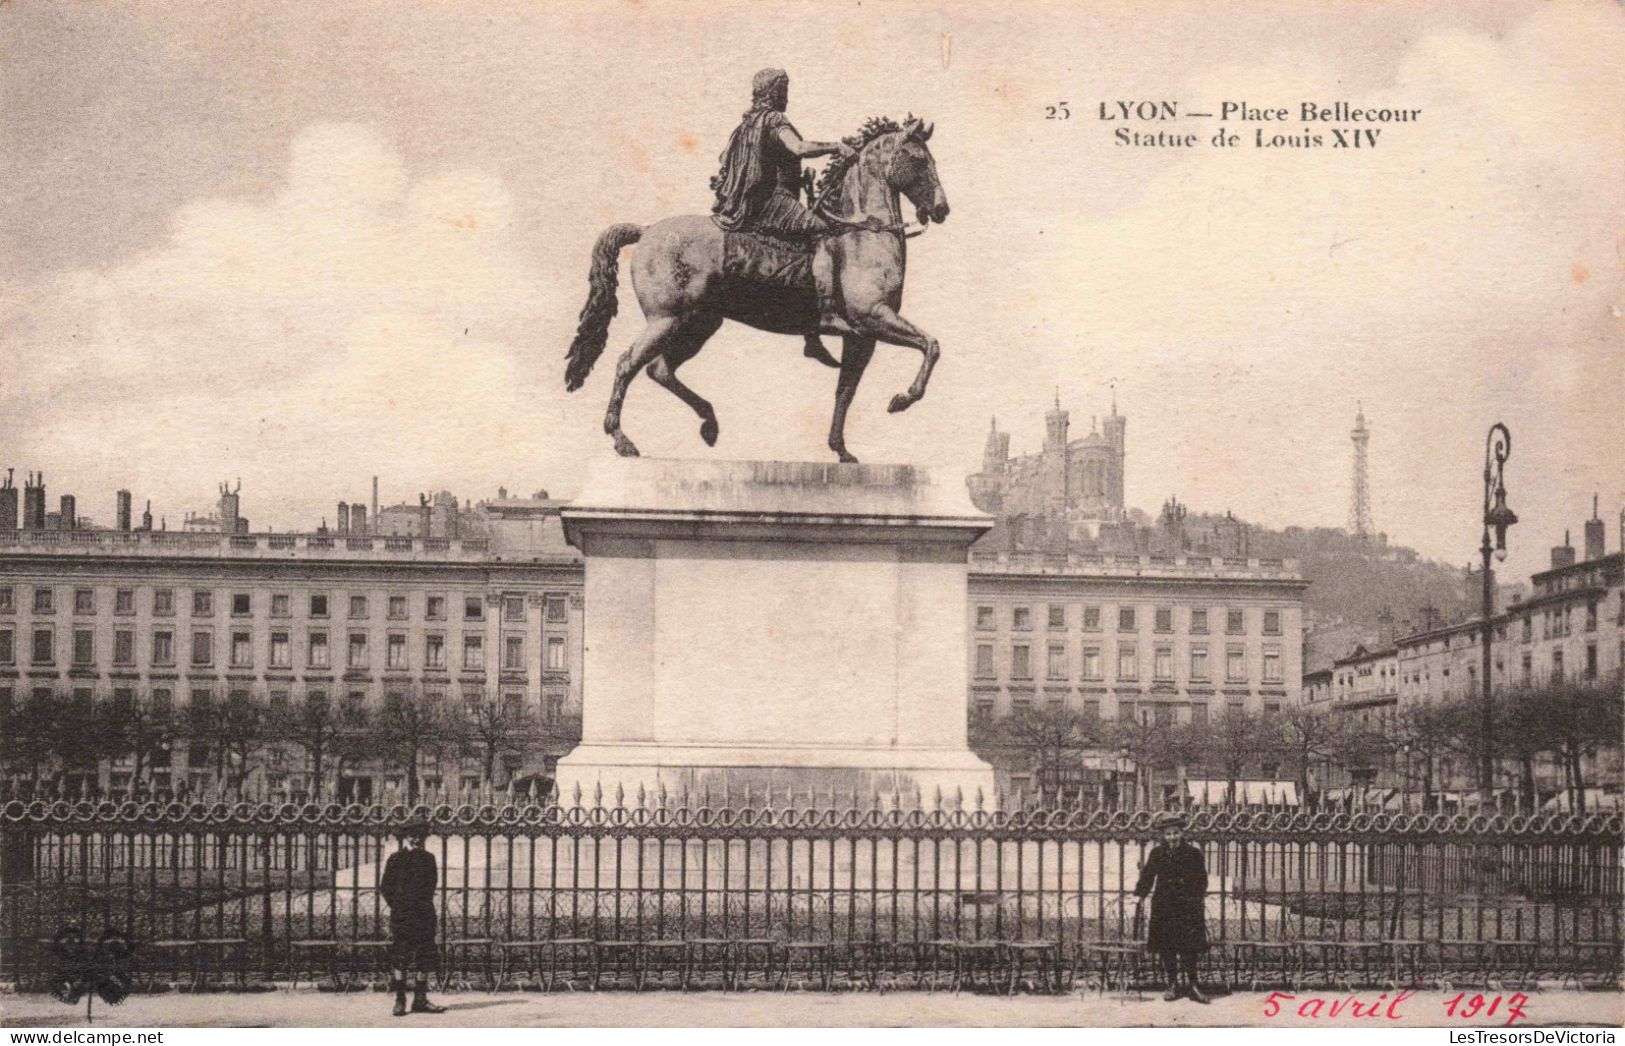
(761, 175)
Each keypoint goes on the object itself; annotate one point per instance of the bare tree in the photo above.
(138, 725)
(1049, 741)
(1307, 737)
(314, 725)
(1232, 741)
(1583, 717)
(30, 730)
(1147, 745)
(490, 729)
(409, 726)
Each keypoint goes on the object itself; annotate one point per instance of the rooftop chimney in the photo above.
(358, 520)
(375, 497)
(34, 501)
(343, 518)
(1563, 555)
(70, 512)
(123, 513)
(1595, 534)
(146, 516)
(8, 503)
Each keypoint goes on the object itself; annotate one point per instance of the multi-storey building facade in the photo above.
(174, 618)
(1153, 639)
(1571, 628)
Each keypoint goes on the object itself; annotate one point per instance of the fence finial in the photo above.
(620, 796)
(979, 799)
(642, 796)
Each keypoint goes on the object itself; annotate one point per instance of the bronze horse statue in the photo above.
(678, 276)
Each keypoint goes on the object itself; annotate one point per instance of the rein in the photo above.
(897, 226)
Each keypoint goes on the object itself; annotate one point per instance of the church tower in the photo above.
(1115, 431)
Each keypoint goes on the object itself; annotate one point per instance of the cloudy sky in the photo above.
(303, 243)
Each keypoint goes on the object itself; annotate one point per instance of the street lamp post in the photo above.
(1497, 517)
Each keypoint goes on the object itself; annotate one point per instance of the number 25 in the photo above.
(1058, 111)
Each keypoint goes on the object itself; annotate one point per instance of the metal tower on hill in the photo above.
(1360, 524)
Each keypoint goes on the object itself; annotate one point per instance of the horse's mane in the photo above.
(829, 183)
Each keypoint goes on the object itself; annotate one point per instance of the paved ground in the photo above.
(306, 1008)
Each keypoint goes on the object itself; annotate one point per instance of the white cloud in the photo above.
(359, 308)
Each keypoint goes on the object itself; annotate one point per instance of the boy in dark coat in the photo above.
(1175, 877)
(410, 878)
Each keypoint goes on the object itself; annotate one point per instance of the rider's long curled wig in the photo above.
(593, 329)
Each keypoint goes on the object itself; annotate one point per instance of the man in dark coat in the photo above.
(408, 886)
(1175, 877)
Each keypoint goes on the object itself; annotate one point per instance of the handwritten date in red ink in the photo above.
(1463, 1006)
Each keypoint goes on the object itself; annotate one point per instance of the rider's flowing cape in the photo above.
(742, 183)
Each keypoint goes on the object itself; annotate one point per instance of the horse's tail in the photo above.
(593, 329)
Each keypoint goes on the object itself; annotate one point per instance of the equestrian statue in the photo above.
(834, 266)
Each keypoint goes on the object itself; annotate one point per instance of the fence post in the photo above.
(267, 924)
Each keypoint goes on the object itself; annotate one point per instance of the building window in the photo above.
(1020, 662)
(513, 653)
(1234, 623)
(44, 601)
(1272, 664)
(358, 650)
(242, 604)
(1164, 619)
(1199, 715)
(435, 608)
(1528, 628)
(1591, 616)
(124, 647)
(281, 650)
(1199, 622)
(513, 706)
(1235, 665)
(242, 650)
(1591, 660)
(84, 601)
(395, 652)
(1057, 661)
(319, 654)
(558, 610)
(358, 607)
(434, 652)
(555, 654)
(984, 618)
(202, 603)
(474, 653)
(1199, 664)
(8, 647)
(163, 648)
(8, 601)
(1125, 711)
(279, 605)
(202, 647)
(84, 646)
(1272, 622)
(1057, 615)
(1091, 663)
(1162, 666)
(1091, 619)
(397, 608)
(513, 608)
(1557, 666)
(1021, 618)
(1125, 619)
(318, 606)
(1128, 662)
(124, 601)
(473, 608)
(984, 659)
(163, 602)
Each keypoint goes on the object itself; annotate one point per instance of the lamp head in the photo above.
(1498, 519)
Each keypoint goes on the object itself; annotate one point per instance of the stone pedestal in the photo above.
(777, 625)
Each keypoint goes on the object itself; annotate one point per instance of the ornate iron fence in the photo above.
(872, 894)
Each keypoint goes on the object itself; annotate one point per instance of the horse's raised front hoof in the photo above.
(708, 432)
(625, 447)
(847, 458)
(900, 402)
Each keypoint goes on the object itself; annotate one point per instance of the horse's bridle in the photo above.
(897, 226)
